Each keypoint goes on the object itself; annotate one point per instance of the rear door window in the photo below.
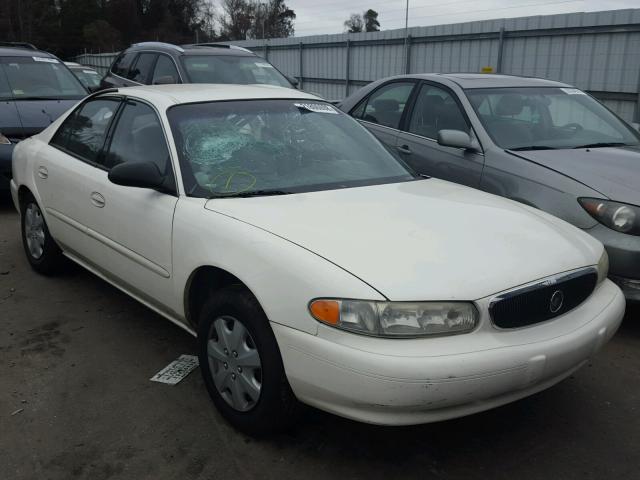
(165, 68)
(141, 71)
(122, 64)
(84, 132)
(385, 105)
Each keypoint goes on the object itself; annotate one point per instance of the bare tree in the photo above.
(354, 24)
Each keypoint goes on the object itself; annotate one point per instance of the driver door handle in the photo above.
(404, 149)
(97, 199)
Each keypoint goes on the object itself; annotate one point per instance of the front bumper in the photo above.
(624, 259)
(6, 152)
(411, 381)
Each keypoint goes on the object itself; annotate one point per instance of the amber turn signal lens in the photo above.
(326, 311)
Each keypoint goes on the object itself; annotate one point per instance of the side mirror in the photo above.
(165, 80)
(137, 174)
(293, 81)
(457, 139)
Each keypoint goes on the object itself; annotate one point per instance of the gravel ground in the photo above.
(76, 356)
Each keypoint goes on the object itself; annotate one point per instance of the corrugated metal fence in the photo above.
(598, 52)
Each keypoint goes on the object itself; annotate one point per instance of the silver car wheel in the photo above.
(234, 363)
(34, 230)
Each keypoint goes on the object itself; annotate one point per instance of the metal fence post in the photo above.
(636, 114)
(500, 49)
(301, 46)
(346, 80)
(407, 65)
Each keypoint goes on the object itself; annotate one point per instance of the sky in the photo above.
(315, 17)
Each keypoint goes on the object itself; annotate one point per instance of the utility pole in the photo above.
(264, 17)
(406, 33)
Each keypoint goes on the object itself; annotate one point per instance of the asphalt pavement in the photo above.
(76, 356)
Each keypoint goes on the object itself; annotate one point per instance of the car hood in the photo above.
(614, 172)
(422, 240)
(36, 115)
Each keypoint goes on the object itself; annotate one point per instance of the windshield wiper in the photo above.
(36, 98)
(254, 193)
(602, 145)
(532, 147)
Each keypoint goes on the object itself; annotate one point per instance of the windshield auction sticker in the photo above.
(45, 60)
(572, 91)
(264, 65)
(317, 107)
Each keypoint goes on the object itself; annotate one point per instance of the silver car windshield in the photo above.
(548, 118)
(263, 147)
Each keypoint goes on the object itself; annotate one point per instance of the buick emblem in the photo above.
(557, 299)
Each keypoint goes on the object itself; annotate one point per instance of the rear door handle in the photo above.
(97, 199)
(404, 149)
(43, 172)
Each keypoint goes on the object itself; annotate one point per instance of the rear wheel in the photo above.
(241, 363)
(42, 252)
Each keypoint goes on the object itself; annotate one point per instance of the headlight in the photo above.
(4, 140)
(617, 216)
(603, 266)
(396, 319)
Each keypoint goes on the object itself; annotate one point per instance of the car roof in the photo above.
(195, 93)
(193, 49)
(23, 52)
(484, 80)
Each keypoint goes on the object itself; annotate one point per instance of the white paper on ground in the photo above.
(176, 370)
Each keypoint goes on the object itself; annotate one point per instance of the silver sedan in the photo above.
(539, 142)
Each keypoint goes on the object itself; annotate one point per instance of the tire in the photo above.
(275, 407)
(42, 252)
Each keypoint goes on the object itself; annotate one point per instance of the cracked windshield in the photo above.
(267, 147)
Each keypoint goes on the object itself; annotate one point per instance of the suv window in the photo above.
(5, 90)
(435, 109)
(83, 132)
(142, 69)
(165, 68)
(123, 62)
(231, 69)
(385, 105)
(38, 77)
(138, 137)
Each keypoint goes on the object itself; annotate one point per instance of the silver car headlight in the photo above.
(4, 140)
(396, 319)
(603, 266)
(618, 216)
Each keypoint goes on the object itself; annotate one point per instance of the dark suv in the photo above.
(155, 63)
(35, 88)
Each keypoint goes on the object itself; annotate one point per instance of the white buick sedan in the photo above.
(311, 264)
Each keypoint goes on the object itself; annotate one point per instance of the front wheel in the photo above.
(241, 363)
(42, 252)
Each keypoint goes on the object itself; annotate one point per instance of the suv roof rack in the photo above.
(30, 46)
(219, 45)
(159, 44)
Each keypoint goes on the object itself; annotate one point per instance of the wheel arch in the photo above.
(23, 191)
(203, 282)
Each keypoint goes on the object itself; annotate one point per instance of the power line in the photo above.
(381, 13)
